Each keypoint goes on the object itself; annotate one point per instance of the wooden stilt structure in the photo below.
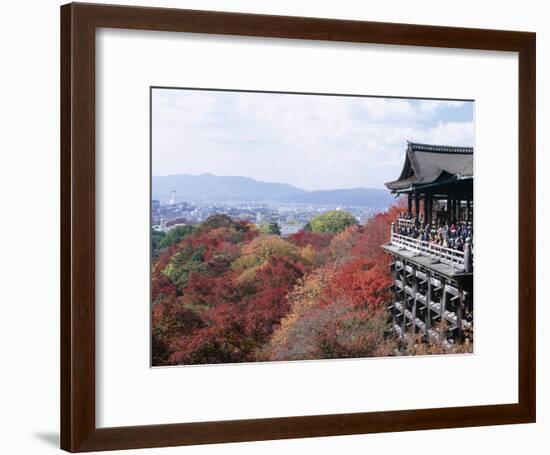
(433, 285)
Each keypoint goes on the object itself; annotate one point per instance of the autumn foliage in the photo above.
(228, 292)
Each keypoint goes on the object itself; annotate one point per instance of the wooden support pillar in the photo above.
(416, 205)
(404, 301)
(449, 210)
(430, 209)
(409, 204)
(459, 313)
(426, 208)
(453, 216)
(427, 318)
(468, 266)
(468, 208)
(395, 291)
(443, 334)
(415, 290)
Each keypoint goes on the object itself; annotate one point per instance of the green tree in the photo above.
(333, 221)
(183, 264)
(271, 229)
(156, 238)
(175, 235)
(216, 221)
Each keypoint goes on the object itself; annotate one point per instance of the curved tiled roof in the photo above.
(431, 148)
(426, 163)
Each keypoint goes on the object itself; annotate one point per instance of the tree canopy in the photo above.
(333, 221)
(271, 228)
(225, 291)
(175, 235)
(156, 238)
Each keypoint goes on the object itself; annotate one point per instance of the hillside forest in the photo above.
(227, 291)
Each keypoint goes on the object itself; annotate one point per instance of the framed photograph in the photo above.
(271, 229)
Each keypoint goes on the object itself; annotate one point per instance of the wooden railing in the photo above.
(453, 258)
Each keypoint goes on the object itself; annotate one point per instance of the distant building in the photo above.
(289, 229)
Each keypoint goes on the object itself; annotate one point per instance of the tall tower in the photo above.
(173, 198)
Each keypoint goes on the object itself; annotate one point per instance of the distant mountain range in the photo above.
(209, 187)
(367, 197)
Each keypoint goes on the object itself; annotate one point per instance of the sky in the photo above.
(309, 141)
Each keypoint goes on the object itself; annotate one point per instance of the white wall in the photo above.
(29, 154)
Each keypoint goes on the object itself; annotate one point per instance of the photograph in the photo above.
(298, 226)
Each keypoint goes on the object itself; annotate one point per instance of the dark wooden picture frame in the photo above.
(78, 176)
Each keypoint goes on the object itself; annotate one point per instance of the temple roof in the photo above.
(427, 164)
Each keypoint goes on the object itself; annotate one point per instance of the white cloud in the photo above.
(449, 133)
(308, 141)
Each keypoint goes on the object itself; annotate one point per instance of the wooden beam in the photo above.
(404, 281)
(415, 293)
(459, 313)
(426, 208)
(442, 311)
(427, 318)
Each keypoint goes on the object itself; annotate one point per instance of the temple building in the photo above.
(432, 244)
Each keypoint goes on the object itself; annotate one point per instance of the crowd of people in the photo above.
(453, 235)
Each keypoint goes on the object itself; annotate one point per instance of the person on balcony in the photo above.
(454, 236)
